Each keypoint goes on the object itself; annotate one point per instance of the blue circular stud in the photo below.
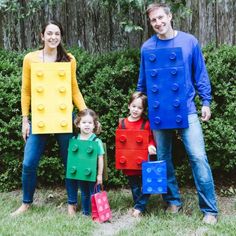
(155, 89)
(176, 103)
(172, 56)
(154, 73)
(152, 57)
(178, 119)
(173, 71)
(156, 104)
(175, 87)
(157, 120)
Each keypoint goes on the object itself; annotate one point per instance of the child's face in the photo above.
(86, 125)
(136, 108)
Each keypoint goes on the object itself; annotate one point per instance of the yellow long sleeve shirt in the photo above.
(33, 57)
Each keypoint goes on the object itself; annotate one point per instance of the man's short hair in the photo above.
(154, 6)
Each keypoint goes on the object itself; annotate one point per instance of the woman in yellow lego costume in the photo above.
(52, 51)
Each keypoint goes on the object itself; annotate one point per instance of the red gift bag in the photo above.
(101, 211)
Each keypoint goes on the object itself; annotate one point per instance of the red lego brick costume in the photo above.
(141, 124)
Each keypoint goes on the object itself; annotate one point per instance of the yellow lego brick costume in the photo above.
(31, 66)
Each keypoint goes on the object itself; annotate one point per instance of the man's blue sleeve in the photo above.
(200, 76)
(141, 86)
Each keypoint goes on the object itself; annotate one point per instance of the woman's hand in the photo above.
(99, 179)
(25, 128)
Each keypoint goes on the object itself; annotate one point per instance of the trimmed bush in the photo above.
(106, 82)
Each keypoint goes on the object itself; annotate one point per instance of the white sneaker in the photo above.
(209, 219)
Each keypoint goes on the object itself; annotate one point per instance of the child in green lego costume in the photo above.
(89, 126)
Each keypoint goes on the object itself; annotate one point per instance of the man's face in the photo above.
(161, 23)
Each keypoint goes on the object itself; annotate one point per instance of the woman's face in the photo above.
(51, 36)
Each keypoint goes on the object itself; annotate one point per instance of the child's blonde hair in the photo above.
(85, 112)
(136, 95)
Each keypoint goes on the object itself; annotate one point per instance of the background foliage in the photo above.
(106, 82)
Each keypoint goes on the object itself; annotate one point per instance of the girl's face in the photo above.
(86, 125)
(51, 36)
(136, 108)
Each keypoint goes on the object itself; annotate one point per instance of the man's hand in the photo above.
(206, 113)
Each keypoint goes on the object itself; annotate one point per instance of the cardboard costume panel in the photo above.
(82, 160)
(51, 103)
(131, 148)
(154, 177)
(166, 88)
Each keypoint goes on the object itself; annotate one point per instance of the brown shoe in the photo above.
(72, 210)
(22, 209)
(209, 219)
(173, 209)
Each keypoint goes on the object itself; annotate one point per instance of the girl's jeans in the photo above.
(87, 189)
(192, 138)
(34, 149)
(140, 199)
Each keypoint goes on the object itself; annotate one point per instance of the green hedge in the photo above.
(106, 82)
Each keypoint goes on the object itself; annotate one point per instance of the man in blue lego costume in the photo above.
(172, 69)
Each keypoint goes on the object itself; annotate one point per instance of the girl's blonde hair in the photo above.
(136, 95)
(85, 112)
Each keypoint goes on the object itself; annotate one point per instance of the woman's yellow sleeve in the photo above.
(77, 97)
(25, 87)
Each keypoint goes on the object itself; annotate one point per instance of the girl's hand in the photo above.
(152, 150)
(99, 179)
(25, 128)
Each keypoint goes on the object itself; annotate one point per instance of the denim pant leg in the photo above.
(34, 148)
(195, 147)
(140, 199)
(163, 140)
(87, 189)
(71, 184)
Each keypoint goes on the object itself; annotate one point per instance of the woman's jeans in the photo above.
(192, 138)
(140, 199)
(34, 148)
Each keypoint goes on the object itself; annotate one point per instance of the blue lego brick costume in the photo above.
(170, 70)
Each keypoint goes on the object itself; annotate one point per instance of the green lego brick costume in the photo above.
(83, 158)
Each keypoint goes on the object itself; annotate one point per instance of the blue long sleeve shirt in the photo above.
(196, 75)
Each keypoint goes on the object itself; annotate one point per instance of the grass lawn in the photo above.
(48, 217)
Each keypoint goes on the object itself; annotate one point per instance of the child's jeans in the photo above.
(140, 199)
(87, 189)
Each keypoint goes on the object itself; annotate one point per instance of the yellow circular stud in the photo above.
(63, 106)
(62, 89)
(61, 73)
(40, 107)
(63, 123)
(39, 89)
(39, 73)
(41, 124)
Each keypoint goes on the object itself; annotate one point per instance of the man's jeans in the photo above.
(34, 149)
(192, 138)
(140, 199)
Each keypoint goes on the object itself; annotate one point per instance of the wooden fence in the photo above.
(97, 28)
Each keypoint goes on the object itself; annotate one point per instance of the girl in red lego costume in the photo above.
(135, 121)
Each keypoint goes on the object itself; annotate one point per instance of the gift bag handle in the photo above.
(98, 188)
